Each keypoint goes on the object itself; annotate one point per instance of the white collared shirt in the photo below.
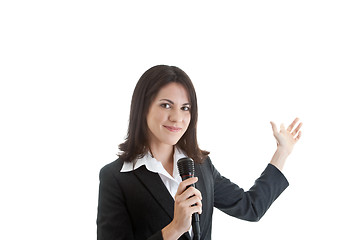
(153, 165)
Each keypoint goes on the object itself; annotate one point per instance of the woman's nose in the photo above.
(175, 116)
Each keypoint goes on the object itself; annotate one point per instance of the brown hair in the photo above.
(136, 144)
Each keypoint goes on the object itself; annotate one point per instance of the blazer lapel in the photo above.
(153, 183)
(157, 189)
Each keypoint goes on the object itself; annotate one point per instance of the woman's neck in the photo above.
(163, 153)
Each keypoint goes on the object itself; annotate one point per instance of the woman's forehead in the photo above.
(174, 92)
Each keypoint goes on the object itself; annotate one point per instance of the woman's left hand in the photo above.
(287, 138)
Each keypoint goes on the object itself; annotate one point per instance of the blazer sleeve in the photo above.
(250, 205)
(113, 219)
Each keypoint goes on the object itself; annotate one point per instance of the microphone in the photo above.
(187, 170)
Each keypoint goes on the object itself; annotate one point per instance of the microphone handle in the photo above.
(196, 226)
(195, 217)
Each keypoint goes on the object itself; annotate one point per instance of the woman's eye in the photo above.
(185, 108)
(165, 105)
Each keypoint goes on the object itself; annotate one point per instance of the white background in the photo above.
(68, 69)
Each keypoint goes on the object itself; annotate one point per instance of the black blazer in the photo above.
(137, 205)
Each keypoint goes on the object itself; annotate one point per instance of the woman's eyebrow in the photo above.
(172, 101)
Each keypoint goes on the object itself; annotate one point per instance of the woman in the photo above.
(141, 195)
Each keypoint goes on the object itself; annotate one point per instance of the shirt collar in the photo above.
(154, 165)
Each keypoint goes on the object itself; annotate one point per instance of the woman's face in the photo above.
(169, 115)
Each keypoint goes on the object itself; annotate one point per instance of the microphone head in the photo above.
(186, 166)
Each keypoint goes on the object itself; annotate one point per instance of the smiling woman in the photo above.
(168, 119)
(162, 96)
(167, 122)
(142, 195)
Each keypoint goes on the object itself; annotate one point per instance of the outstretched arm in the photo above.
(286, 140)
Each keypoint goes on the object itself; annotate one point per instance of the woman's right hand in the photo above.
(187, 202)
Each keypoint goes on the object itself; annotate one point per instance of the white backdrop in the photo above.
(68, 69)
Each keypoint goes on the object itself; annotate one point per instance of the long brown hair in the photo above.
(137, 144)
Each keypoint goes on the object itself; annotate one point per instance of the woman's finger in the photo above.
(282, 128)
(192, 201)
(274, 128)
(195, 204)
(291, 126)
(298, 137)
(185, 183)
(297, 129)
(189, 193)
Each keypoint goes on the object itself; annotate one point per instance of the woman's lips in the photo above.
(172, 129)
